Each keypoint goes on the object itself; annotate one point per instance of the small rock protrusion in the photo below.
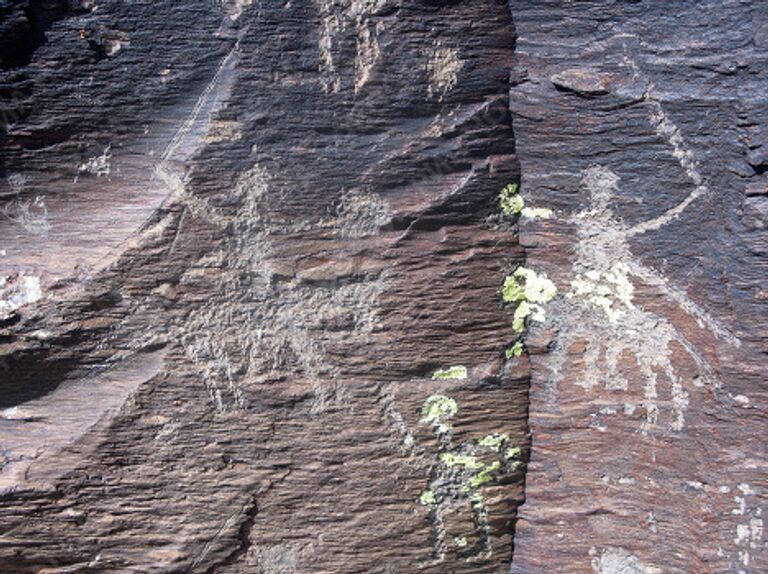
(582, 82)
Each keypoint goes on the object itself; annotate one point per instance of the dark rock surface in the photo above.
(238, 237)
(643, 126)
(274, 246)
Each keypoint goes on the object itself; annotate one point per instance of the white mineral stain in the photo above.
(99, 165)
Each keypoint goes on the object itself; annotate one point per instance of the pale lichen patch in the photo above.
(528, 285)
(515, 351)
(438, 407)
(458, 372)
(511, 202)
(234, 8)
(427, 498)
(530, 290)
(537, 212)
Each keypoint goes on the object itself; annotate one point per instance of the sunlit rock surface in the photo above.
(260, 310)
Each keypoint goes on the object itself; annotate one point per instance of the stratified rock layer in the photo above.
(238, 238)
(643, 126)
(278, 216)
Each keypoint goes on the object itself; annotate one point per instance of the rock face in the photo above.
(642, 127)
(252, 287)
(230, 274)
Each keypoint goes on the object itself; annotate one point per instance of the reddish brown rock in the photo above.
(648, 397)
(273, 248)
(250, 271)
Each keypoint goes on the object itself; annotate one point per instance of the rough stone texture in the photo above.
(239, 239)
(643, 126)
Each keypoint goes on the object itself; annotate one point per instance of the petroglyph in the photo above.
(336, 17)
(29, 214)
(222, 131)
(443, 66)
(615, 560)
(361, 214)
(749, 528)
(254, 325)
(100, 165)
(368, 52)
(235, 330)
(670, 133)
(16, 291)
(458, 478)
(600, 310)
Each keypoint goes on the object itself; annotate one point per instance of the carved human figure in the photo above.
(458, 478)
(600, 309)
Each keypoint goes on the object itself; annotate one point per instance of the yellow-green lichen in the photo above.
(458, 372)
(530, 290)
(494, 441)
(427, 498)
(439, 407)
(460, 541)
(462, 472)
(528, 285)
(484, 476)
(513, 452)
(523, 311)
(512, 204)
(450, 459)
(515, 350)
(510, 201)
(512, 290)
